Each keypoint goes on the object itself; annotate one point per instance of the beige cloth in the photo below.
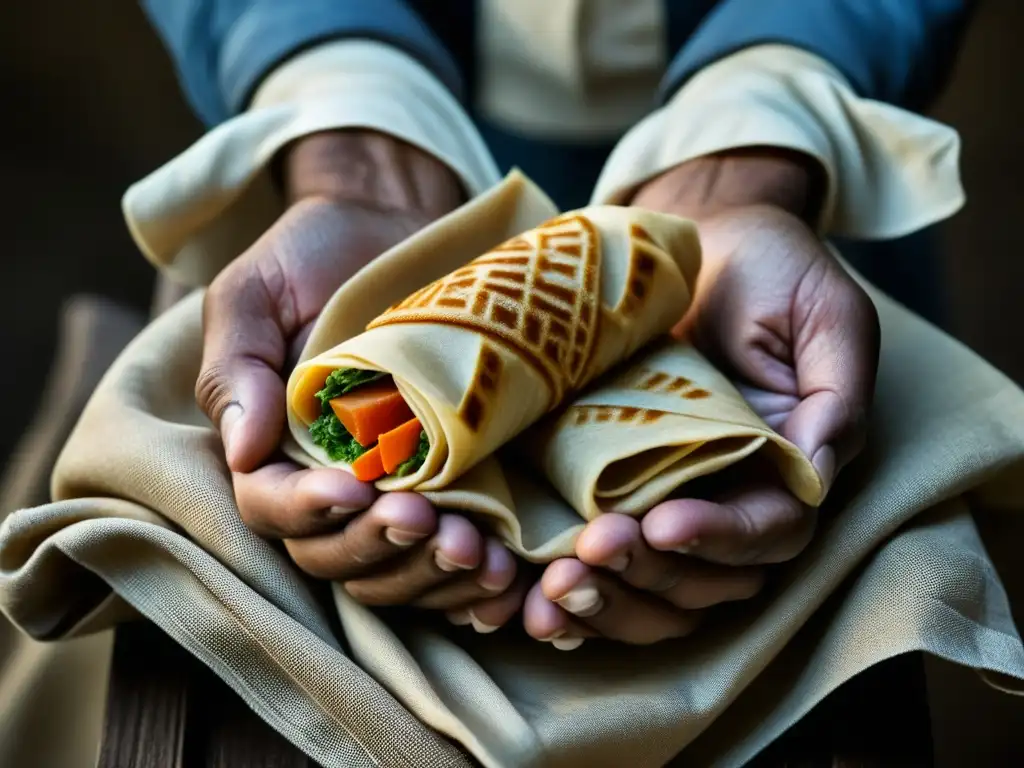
(52, 695)
(889, 172)
(194, 214)
(143, 500)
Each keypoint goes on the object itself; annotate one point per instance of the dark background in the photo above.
(89, 104)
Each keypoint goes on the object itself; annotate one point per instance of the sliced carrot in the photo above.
(370, 411)
(369, 466)
(400, 444)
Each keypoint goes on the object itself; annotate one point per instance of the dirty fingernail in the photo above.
(619, 563)
(480, 626)
(401, 538)
(582, 601)
(567, 643)
(448, 565)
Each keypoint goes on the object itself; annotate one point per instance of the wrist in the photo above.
(368, 168)
(708, 186)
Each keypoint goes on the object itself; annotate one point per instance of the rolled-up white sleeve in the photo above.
(889, 171)
(207, 205)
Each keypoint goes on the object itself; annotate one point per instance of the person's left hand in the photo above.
(351, 195)
(775, 311)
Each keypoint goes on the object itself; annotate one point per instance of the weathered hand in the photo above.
(778, 313)
(352, 195)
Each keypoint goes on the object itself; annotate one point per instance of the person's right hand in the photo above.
(352, 195)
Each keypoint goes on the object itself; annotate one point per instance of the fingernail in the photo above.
(338, 511)
(228, 421)
(619, 563)
(561, 642)
(567, 643)
(448, 565)
(688, 547)
(493, 582)
(582, 601)
(482, 627)
(459, 618)
(402, 538)
(824, 461)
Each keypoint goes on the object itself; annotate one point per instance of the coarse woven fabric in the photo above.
(143, 501)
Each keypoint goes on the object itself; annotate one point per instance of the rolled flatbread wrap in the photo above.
(466, 363)
(663, 419)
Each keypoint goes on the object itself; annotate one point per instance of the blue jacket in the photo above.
(897, 51)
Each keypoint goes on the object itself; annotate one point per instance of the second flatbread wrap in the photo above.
(664, 418)
(484, 352)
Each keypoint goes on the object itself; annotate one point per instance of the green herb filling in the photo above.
(330, 434)
(415, 461)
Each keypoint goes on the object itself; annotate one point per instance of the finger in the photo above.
(488, 615)
(836, 349)
(616, 543)
(457, 547)
(758, 524)
(549, 623)
(239, 385)
(395, 523)
(611, 608)
(282, 501)
(495, 574)
(259, 302)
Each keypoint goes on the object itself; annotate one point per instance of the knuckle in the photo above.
(279, 290)
(750, 535)
(213, 391)
(321, 559)
(346, 555)
(775, 529)
(794, 537)
(219, 292)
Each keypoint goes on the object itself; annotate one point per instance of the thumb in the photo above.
(239, 385)
(836, 348)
